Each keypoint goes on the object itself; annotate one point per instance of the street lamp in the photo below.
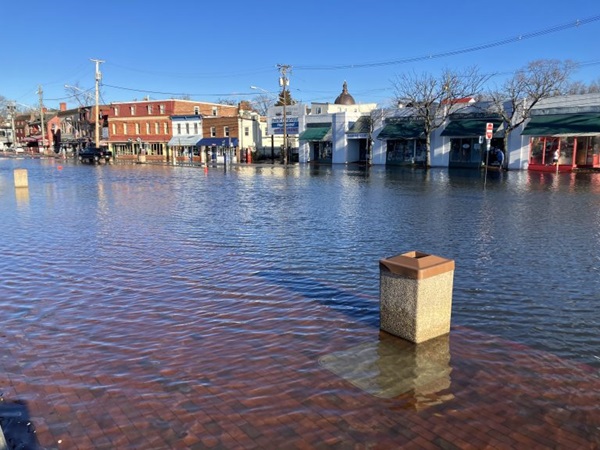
(284, 82)
(256, 88)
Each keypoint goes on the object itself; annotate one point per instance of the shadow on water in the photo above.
(361, 309)
(16, 428)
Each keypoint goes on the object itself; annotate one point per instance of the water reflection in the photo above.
(393, 367)
(22, 196)
(524, 245)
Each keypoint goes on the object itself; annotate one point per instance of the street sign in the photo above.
(489, 130)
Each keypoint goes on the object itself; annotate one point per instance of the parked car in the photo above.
(94, 155)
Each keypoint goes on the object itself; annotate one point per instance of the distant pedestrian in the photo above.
(499, 157)
(555, 157)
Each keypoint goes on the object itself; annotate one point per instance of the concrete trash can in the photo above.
(415, 295)
(21, 180)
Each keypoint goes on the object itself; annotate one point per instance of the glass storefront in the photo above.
(468, 152)
(406, 151)
(573, 150)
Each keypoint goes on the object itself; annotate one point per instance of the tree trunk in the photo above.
(427, 150)
(505, 147)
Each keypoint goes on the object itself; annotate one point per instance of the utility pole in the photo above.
(42, 126)
(13, 111)
(284, 82)
(97, 113)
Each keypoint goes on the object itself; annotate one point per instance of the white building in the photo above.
(337, 133)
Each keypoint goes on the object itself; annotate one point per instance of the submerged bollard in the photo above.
(21, 178)
(415, 295)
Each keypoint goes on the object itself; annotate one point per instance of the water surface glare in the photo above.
(136, 286)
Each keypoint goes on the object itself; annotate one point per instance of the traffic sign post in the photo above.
(489, 130)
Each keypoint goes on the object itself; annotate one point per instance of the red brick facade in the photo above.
(151, 120)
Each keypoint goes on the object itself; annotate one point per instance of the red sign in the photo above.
(489, 130)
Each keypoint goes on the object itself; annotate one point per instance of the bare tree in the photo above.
(262, 103)
(432, 98)
(517, 96)
(227, 101)
(84, 97)
(579, 87)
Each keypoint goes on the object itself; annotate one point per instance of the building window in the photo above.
(195, 128)
(213, 132)
(149, 109)
(226, 131)
(187, 128)
(114, 128)
(156, 128)
(161, 109)
(132, 110)
(215, 111)
(124, 128)
(166, 128)
(178, 128)
(246, 131)
(137, 128)
(147, 128)
(116, 110)
(196, 110)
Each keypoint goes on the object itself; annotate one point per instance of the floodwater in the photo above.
(117, 272)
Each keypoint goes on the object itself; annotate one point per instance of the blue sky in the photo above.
(215, 50)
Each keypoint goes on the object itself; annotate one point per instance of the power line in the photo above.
(179, 94)
(510, 40)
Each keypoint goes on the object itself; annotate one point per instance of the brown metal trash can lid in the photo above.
(417, 265)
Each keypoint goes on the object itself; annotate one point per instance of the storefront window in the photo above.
(537, 150)
(465, 150)
(550, 146)
(405, 151)
(420, 150)
(566, 150)
(587, 149)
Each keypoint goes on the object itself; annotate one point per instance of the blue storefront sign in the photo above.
(291, 125)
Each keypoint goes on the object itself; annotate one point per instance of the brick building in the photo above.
(156, 128)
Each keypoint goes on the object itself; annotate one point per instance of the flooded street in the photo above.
(148, 306)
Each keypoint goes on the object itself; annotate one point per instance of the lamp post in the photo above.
(98, 77)
(12, 108)
(284, 82)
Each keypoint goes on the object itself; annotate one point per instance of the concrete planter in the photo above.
(416, 295)
(21, 180)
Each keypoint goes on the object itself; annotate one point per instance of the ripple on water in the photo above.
(159, 284)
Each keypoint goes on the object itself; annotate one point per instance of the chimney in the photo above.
(63, 106)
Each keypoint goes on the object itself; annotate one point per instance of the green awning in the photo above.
(560, 124)
(410, 129)
(314, 134)
(362, 125)
(471, 127)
